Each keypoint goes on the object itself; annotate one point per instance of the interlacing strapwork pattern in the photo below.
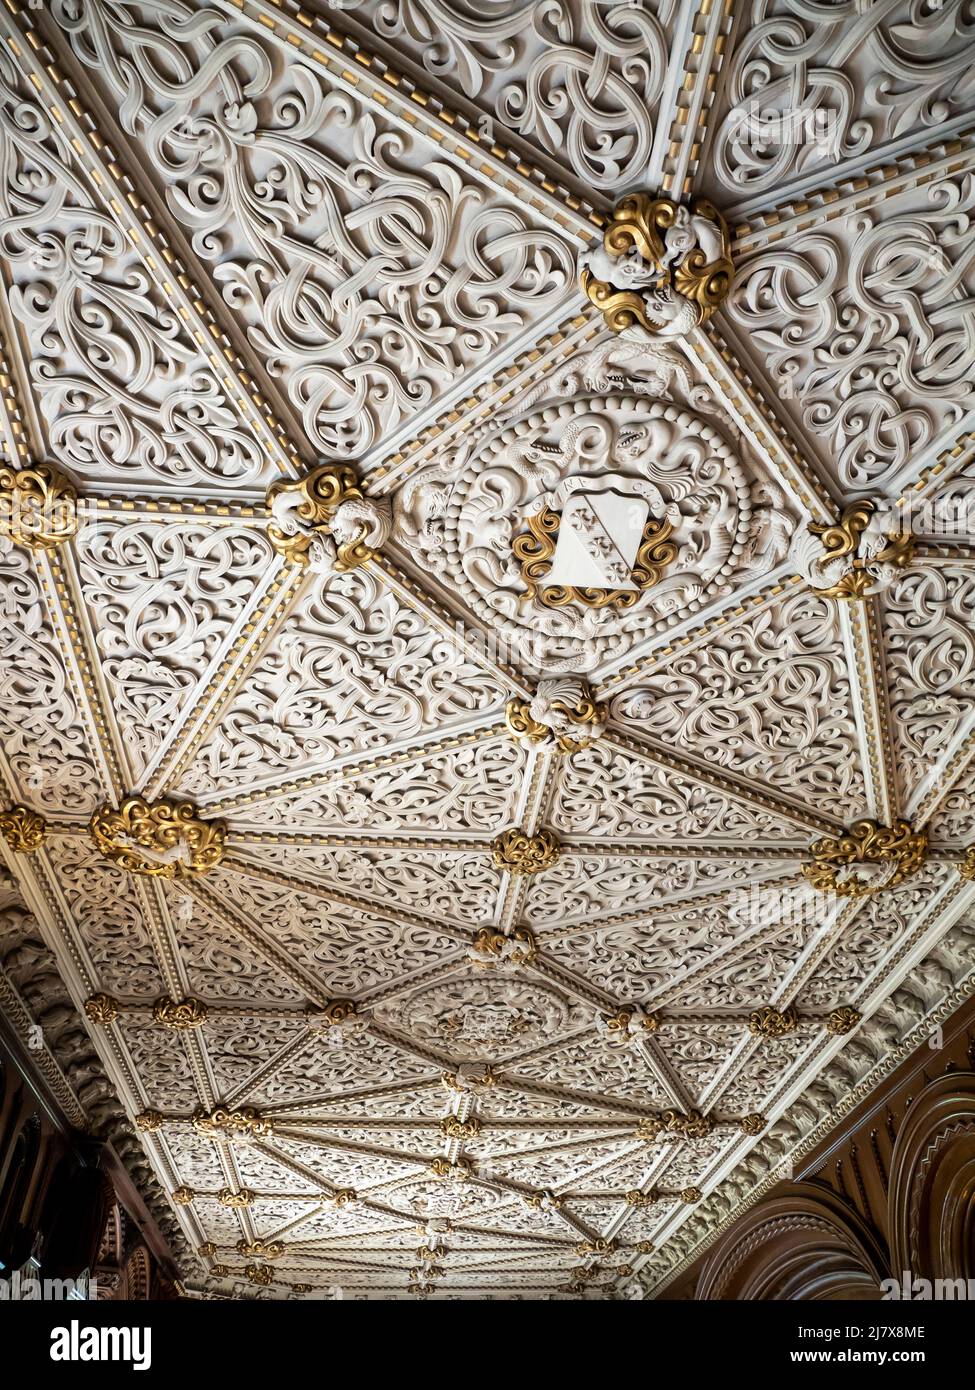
(486, 618)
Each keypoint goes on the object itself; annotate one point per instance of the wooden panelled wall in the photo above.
(891, 1195)
(65, 1202)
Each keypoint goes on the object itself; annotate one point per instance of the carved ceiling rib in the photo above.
(721, 354)
(19, 435)
(771, 220)
(710, 24)
(201, 715)
(863, 635)
(468, 635)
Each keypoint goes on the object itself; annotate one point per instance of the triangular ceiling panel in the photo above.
(331, 686)
(769, 698)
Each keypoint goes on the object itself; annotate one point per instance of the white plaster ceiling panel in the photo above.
(490, 925)
(871, 400)
(238, 1048)
(698, 1051)
(954, 821)
(806, 88)
(715, 702)
(46, 744)
(198, 1164)
(930, 638)
(220, 965)
(580, 886)
(106, 910)
(332, 685)
(445, 885)
(640, 959)
(470, 788)
(126, 394)
(326, 1070)
(605, 792)
(751, 975)
(342, 947)
(760, 1071)
(163, 599)
(370, 271)
(501, 1104)
(598, 1070)
(581, 84)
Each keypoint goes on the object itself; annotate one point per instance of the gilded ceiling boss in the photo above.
(663, 268)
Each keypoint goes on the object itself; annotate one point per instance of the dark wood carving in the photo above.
(890, 1194)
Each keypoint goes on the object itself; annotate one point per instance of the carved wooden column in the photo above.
(890, 1196)
(804, 1244)
(932, 1183)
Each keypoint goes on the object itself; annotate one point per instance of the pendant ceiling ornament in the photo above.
(562, 711)
(325, 522)
(38, 506)
(895, 853)
(162, 839)
(662, 269)
(861, 554)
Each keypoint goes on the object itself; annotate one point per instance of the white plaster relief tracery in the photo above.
(350, 728)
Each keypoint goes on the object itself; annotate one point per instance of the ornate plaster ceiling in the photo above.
(242, 240)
